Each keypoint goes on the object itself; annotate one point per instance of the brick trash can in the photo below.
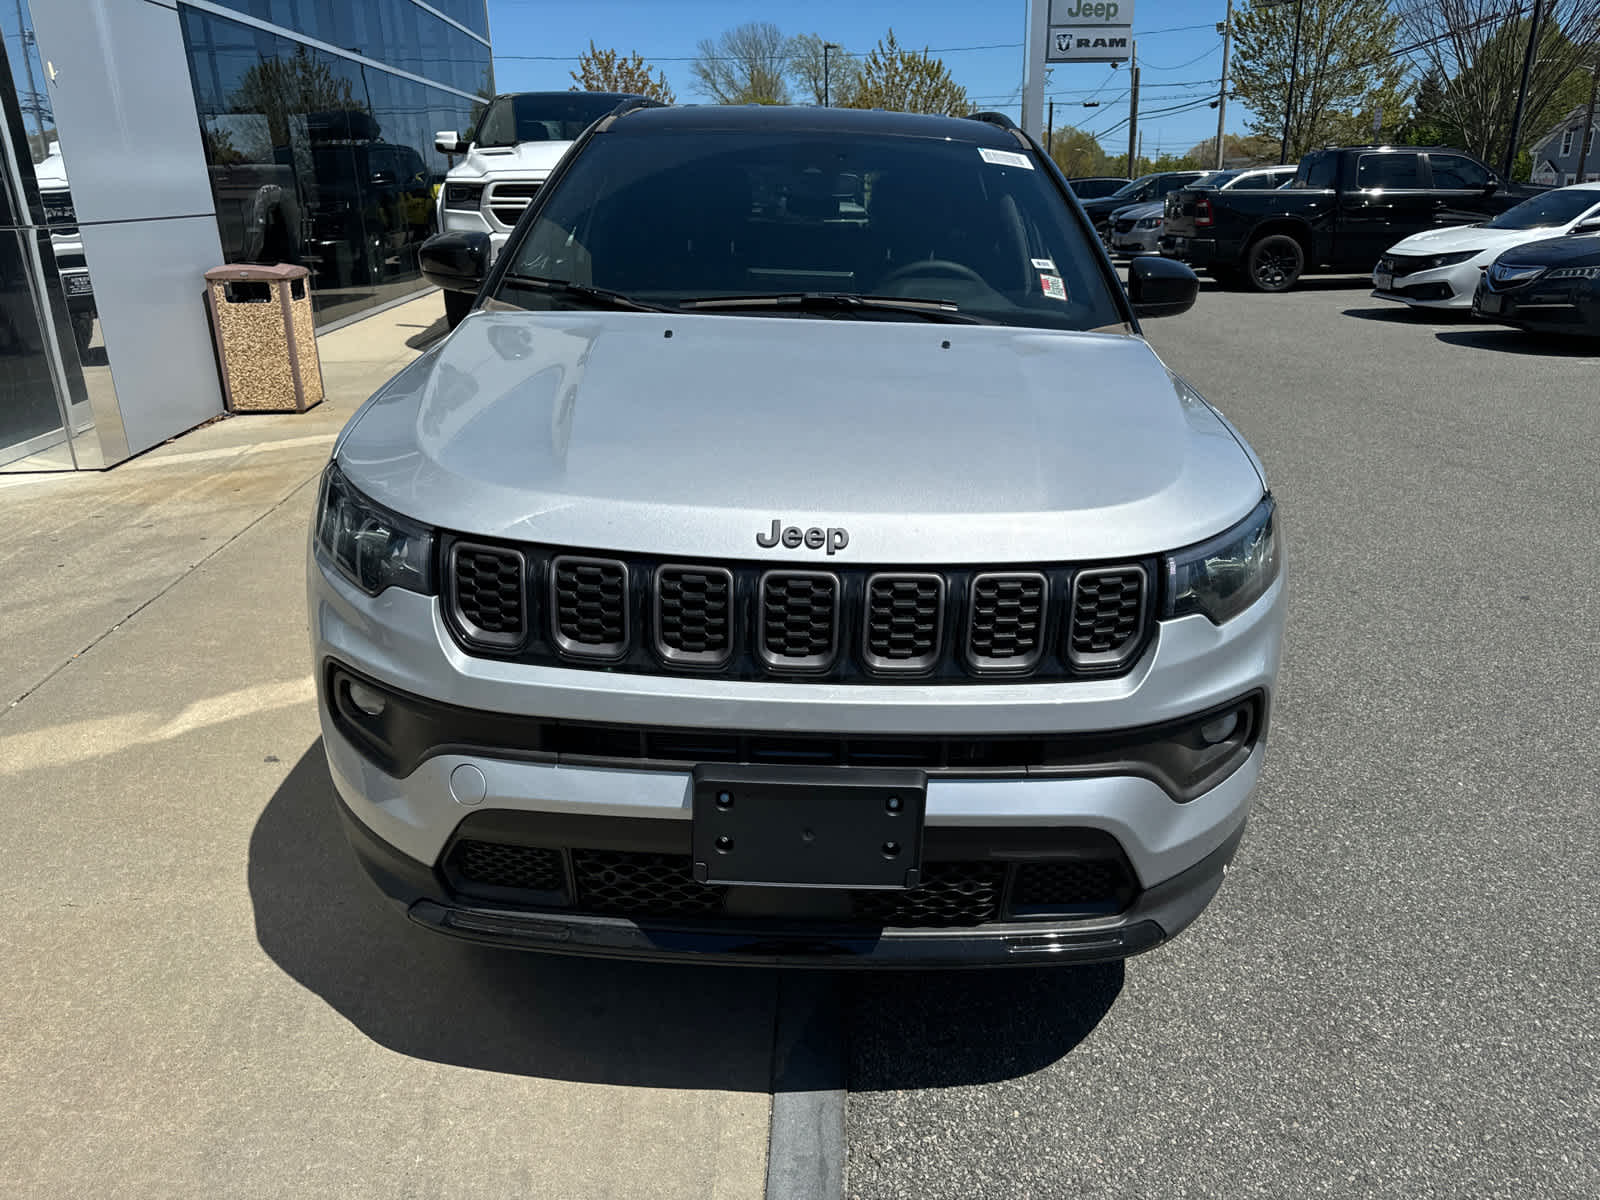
(266, 339)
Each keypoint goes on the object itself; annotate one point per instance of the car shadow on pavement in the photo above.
(601, 1021)
(1516, 341)
(1399, 314)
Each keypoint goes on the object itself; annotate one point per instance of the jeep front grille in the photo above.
(507, 200)
(799, 620)
(589, 599)
(694, 614)
(1007, 624)
(750, 620)
(1107, 614)
(489, 589)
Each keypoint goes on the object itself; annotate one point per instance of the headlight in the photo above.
(463, 195)
(1574, 273)
(1223, 577)
(1150, 223)
(371, 546)
(1449, 260)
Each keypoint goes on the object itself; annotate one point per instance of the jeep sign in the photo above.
(1090, 31)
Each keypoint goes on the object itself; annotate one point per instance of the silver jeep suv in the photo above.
(797, 555)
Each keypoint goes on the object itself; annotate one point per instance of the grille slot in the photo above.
(589, 601)
(639, 885)
(1095, 885)
(799, 620)
(694, 615)
(951, 893)
(488, 591)
(497, 866)
(1006, 629)
(1107, 616)
(507, 200)
(905, 616)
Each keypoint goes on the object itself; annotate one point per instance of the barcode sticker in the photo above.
(1006, 158)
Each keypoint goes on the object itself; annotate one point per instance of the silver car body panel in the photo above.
(686, 435)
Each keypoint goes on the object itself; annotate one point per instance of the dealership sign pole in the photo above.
(1071, 31)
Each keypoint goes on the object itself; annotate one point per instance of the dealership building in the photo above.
(147, 141)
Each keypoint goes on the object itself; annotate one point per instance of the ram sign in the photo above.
(1090, 31)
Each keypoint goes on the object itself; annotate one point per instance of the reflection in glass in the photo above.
(320, 159)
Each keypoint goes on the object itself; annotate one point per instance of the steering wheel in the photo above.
(934, 266)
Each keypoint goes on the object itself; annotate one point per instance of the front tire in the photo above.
(1274, 264)
(456, 307)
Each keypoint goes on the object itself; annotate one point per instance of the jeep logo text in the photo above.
(793, 537)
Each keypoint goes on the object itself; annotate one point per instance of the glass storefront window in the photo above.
(320, 159)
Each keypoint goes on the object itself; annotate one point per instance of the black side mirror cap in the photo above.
(1592, 225)
(1161, 287)
(457, 262)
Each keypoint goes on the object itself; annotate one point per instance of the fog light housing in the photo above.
(368, 700)
(1219, 729)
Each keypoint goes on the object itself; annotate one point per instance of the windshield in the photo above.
(541, 117)
(692, 216)
(1547, 209)
(1128, 189)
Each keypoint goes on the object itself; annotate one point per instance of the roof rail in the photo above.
(994, 118)
(631, 104)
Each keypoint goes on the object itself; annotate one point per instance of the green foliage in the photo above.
(1236, 152)
(1346, 70)
(821, 77)
(1077, 153)
(608, 71)
(747, 65)
(903, 80)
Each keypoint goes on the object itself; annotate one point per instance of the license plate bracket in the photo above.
(808, 827)
(1384, 281)
(1489, 302)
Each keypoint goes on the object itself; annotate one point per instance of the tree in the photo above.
(608, 71)
(1236, 151)
(279, 88)
(1347, 70)
(744, 66)
(1077, 153)
(821, 76)
(1476, 48)
(907, 81)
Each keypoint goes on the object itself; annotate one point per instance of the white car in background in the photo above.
(1440, 268)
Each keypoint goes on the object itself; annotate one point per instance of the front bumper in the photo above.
(1137, 241)
(1570, 306)
(404, 826)
(1448, 288)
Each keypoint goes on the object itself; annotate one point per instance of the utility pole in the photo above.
(1222, 92)
(1133, 110)
(1034, 69)
(827, 94)
(1294, 77)
(1522, 93)
(1050, 129)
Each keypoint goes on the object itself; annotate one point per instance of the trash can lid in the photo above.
(266, 273)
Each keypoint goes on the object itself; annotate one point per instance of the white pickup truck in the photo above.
(510, 152)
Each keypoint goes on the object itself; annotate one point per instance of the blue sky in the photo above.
(537, 42)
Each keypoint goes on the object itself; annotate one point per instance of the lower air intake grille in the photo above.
(498, 865)
(904, 616)
(1086, 884)
(642, 885)
(489, 595)
(951, 893)
(1007, 624)
(693, 621)
(799, 620)
(590, 599)
(1107, 615)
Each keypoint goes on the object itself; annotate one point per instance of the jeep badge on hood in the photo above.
(794, 537)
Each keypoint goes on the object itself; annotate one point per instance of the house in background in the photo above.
(1563, 155)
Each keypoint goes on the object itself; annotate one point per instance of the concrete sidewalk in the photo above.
(203, 997)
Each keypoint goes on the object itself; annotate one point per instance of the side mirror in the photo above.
(457, 262)
(1493, 184)
(448, 141)
(1161, 287)
(1592, 225)
(383, 179)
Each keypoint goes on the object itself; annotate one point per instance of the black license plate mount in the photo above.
(808, 827)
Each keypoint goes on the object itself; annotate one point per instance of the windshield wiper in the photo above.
(837, 302)
(596, 297)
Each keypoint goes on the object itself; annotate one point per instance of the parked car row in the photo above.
(1140, 228)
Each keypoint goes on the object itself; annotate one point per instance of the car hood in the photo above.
(523, 159)
(1582, 250)
(690, 434)
(1149, 208)
(1465, 237)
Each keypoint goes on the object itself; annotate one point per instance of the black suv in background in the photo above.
(1346, 207)
(1140, 191)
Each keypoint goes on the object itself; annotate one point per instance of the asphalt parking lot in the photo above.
(1395, 993)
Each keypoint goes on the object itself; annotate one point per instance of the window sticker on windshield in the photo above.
(1053, 287)
(1043, 264)
(1005, 158)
